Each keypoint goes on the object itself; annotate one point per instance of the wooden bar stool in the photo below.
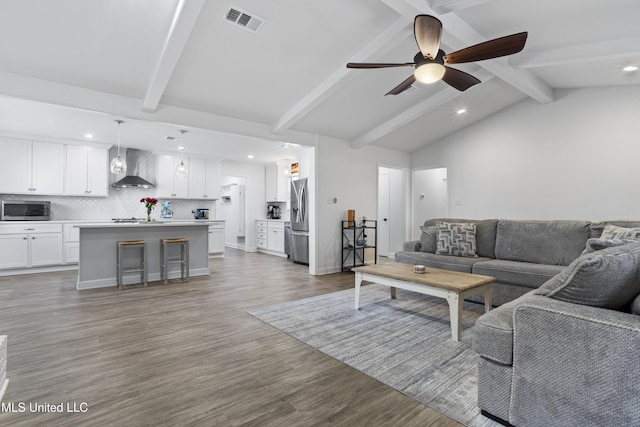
(141, 268)
(165, 244)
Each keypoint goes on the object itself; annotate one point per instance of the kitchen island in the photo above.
(98, 248)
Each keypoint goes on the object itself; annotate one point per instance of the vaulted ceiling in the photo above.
(70, 67)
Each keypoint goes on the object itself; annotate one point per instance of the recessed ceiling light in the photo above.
(250, 156)
(88, 136)
(289, 145)
(461, 111)
(630, 68)
(170, 138)
(181, 148)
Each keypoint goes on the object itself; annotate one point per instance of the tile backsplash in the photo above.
(121, 203)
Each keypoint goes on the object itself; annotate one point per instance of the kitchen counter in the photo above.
(98, 242)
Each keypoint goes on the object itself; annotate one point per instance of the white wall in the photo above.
(575, 158)
(430, 197)
(351, 176)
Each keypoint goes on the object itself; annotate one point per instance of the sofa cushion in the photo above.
(615, 232)
(635, 305)
(541, 242)
(456, 238)
(446, 262)
(517, 273)
(493, 332)
(485, 233)
(428, 239)
(609, 278)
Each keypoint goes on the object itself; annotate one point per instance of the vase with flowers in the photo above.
(149, 203)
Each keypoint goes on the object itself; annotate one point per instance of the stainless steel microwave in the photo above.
(17, 210)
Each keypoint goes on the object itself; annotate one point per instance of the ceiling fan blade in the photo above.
(377, 65)
(402, 86)
(427, 30)
(459, 79)
(495, 48)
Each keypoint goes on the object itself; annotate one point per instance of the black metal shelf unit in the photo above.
(356, 239)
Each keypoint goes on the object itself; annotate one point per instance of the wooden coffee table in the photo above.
(450, 285)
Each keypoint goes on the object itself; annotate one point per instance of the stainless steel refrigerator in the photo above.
(300, 221)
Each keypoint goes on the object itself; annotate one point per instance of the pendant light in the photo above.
(118, 165)
(181, 169)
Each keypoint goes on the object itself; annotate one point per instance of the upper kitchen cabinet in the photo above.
(171, 186)
(87, 173)
(33, 167)
(204, 178)
(275, 183)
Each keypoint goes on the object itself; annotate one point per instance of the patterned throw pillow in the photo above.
(457, 239)
(614, 232)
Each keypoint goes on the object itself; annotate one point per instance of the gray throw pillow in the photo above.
(615, 232)
(595, 244)
(608, 278)
(428, 239)
(457, 239)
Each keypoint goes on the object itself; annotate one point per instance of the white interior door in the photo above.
(430, 197)
(383, 211)
(392, 209)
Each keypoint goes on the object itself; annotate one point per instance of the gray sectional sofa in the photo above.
(566, 351)
(521, 255)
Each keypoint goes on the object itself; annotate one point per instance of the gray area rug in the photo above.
(403, 343)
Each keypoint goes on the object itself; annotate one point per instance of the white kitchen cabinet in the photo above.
(32, 167)
(204, 179)
(270, 237)
(26, 245)
(86, 171)
(216, 238)
(275, 183)
(169, 185)
(275, 237)
(14, 251)
(261, 234)
(71, 238)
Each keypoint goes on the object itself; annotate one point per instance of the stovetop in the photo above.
(125, 220)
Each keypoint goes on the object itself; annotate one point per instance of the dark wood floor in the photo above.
(183, 354)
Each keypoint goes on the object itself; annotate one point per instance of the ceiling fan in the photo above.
(431, 62)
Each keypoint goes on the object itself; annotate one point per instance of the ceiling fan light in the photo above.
(429, 73)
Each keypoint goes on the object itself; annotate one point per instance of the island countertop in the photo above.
(185, 223)
(98, 242)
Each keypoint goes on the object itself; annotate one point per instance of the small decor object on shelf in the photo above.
(418, 269)
(351, 215)
(149, 203)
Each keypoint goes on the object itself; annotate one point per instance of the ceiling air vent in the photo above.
(243, 19)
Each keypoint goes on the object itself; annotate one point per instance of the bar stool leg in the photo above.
(143, 263)
(119, 268)
(185, 258)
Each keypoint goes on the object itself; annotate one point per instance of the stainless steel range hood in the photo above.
(133, 179)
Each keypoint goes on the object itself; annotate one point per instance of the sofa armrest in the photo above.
(574, 365)
(412, 246)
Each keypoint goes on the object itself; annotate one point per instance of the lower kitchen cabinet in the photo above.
(71, 237)
(270, 236)
(24, 246)
(216, 238)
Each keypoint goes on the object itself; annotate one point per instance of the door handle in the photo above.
(385, 219)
